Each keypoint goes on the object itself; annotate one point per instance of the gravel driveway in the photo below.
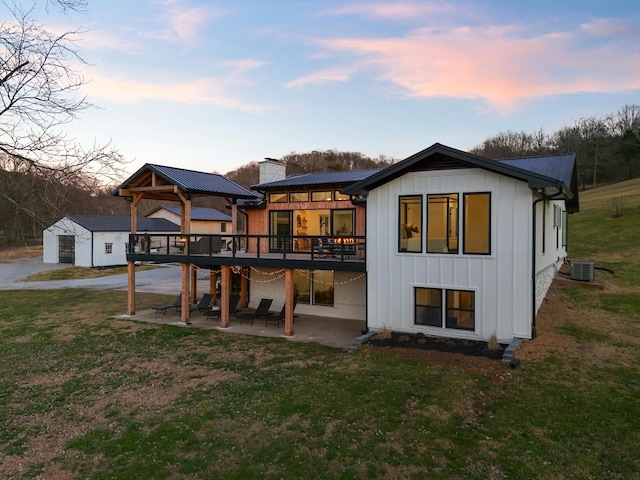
(165, 279)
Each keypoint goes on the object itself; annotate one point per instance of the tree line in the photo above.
(607, 147)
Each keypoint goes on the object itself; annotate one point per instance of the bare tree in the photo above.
(39, 84)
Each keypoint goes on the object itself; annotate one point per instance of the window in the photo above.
(277, 198)
(565, 225)
(280, 229)
(223, 227)
(410, 224)
(321, 196)
(477, 223)
(108, 248)
(460, 308)
(314, 287)
(442, 223)
(342, 222)
(340, 196)
(299, 197)
(428, 307)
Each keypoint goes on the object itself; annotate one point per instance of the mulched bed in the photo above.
(449, 345)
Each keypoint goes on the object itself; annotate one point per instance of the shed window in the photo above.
(108, 248)
(223, 227)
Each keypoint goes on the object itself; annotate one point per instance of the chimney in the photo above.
(271, 170)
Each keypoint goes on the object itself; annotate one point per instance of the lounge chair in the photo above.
(278, 318)
(215, 312)
(177, 304)
(261, 311)
(203, 304)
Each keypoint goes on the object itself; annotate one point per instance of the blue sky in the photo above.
(213, 85)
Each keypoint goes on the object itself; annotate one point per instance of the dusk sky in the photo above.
(213, 85)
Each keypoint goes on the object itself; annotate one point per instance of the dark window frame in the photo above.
(402, 214)
(464, 224)
(446, 314)
(448, 251)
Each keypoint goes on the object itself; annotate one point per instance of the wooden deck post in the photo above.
(244, 290)
(224, 297)
(213, 286)
(184, 308)
(185, 211)
(131, 288)
(288, 300)
(194, 285)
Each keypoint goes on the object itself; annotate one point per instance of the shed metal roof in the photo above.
(316, 179)
(197, 213)
(190, 181)
(104, 223)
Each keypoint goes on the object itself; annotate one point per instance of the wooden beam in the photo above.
(184, 308)
(131, 288)
(224, 296)
(157, 188)
(244, 288)
(288, 300)
(194, 284)
(213, 285)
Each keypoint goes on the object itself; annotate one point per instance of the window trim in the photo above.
(444, 308)
(464, 224)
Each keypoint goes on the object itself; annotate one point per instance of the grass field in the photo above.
(84, 395)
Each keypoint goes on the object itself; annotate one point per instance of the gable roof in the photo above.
(98, 223)
(439, 156)
(197, 213)
(316, 179)
(188, 181)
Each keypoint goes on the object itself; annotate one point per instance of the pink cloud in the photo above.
(394, 10)
(322, 77)
(495, 64)
(183, 24)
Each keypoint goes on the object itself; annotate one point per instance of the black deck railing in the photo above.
(342, 248)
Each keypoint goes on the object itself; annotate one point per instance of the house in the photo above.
(96, 241)
(308, 214)
(203, 220)
(462, 246)
(444, 243)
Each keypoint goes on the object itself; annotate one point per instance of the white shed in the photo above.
(96, 241)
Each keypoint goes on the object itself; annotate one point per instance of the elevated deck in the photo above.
(206, 251)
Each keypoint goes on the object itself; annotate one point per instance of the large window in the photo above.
(477, 223)
(410, 224)
(442, 223)
(459, 313)
(314, 287)
(280, 230)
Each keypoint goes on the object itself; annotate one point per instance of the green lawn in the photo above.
(85, 395)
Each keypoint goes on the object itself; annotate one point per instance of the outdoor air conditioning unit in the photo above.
(583, 271)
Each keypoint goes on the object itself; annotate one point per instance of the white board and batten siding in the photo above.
(502, 281)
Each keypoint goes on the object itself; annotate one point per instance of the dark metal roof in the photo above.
(96, 223)
(197, 213)
(441, 156)
(554, 166)
(190, 181)
(316, 179)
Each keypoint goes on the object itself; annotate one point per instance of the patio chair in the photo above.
(177, 304)
(280, 317)
(261, 311)
(215, 311)
(203, 304)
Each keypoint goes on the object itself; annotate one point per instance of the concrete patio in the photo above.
(334, 332)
